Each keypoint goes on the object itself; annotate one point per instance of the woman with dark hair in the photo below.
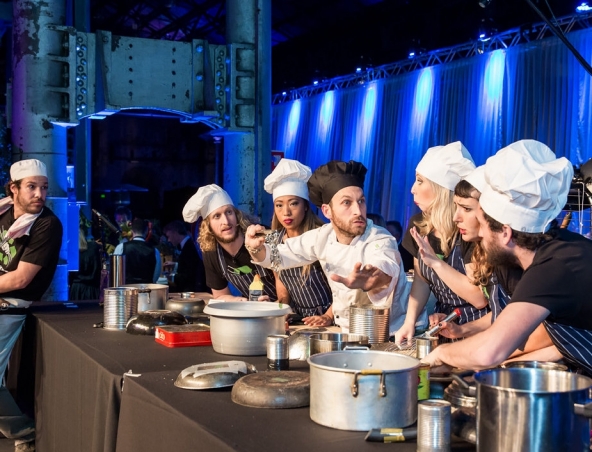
(306, 288)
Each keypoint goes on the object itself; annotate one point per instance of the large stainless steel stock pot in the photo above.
(361, 389)
(532, 410)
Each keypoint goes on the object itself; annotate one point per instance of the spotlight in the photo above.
(412, 54)
(583, 8)
(484, 3)
(358, 69)
(315, 82)
(284, 93)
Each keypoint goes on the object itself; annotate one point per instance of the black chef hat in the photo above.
(330, 178)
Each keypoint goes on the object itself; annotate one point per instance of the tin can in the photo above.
(433, 426)
(278, 354)
(423, 384)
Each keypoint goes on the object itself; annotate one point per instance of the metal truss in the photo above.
(504, 40)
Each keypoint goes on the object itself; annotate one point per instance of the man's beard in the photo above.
(227, 240)
(29, 207)
(347, 229)
(499, 257)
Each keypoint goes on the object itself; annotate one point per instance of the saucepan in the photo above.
(331, 342)
(151, 296)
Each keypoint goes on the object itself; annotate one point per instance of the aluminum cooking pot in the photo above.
(330, 342)
(151, 296)
(532, 409)
(242, 327)
(361, 390)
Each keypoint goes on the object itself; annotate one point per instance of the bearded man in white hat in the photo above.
(31, 237)
(525, 189)
(361, 260)
(221, 239)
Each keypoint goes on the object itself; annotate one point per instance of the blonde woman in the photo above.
(441, 258)
(306, 288)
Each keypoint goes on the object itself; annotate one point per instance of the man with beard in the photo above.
(31, 237)
(361, 260)
(221, 239)
(525, 189)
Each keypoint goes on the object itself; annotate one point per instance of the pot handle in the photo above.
(354, 386)
(466, 388)
(584, 409)
(356, 347)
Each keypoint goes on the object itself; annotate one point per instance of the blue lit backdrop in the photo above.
(536, 91)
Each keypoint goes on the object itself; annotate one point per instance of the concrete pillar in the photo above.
(35, 72)
(247, 155)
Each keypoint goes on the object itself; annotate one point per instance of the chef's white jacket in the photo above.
(376, 247)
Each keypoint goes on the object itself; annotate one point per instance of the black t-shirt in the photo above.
(215, 276)
(560, 279)
(410, 245)
(41, 247)
(508, 278)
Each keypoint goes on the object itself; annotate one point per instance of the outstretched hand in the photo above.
(427, 253)
(365, 277)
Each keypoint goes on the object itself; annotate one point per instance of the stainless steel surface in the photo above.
(299, 343)
(534, 365)
(531, 409)
(433, 426)
(189, 307)
(213, 375)
(151, 296)
(116, 270)
(370, 321)
(362, 390)
(330, 342)
(277, 347)
(424, 346)
(244, 336)
(119, 304)
(463, 423)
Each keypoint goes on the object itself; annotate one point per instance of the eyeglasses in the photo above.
(244, 270)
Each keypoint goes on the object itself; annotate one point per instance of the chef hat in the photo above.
(205, 201)
(288, 178)
(446, 165)
(328, 179)
(27, 168)
(477, 178)
(526, 186)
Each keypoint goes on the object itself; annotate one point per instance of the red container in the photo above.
(183, 335)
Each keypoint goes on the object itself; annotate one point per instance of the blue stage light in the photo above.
(411, 54)
(316, 82)
(583, 8)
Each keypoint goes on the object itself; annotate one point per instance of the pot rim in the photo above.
(246, 309)
(517, 370)
(411, 360)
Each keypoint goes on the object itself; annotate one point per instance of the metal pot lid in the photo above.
(273, 389)
(147, 286)
(219, 374)
(246, 309)
(147, 321)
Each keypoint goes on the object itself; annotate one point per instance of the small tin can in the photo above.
(278, 353)
(423, 384)
(433, 425)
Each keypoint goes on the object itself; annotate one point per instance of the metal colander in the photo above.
(120, 303)
(369, 321)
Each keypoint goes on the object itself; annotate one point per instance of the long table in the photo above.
(80, 406)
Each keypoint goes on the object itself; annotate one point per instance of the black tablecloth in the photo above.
(80, 406)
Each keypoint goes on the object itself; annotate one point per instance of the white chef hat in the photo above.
(288, 178)
(205, 201)
(477, 178)
(446, 165)
(27, 168)
(526, 186)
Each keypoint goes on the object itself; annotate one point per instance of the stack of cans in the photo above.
(370, 321)
(120, 303)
